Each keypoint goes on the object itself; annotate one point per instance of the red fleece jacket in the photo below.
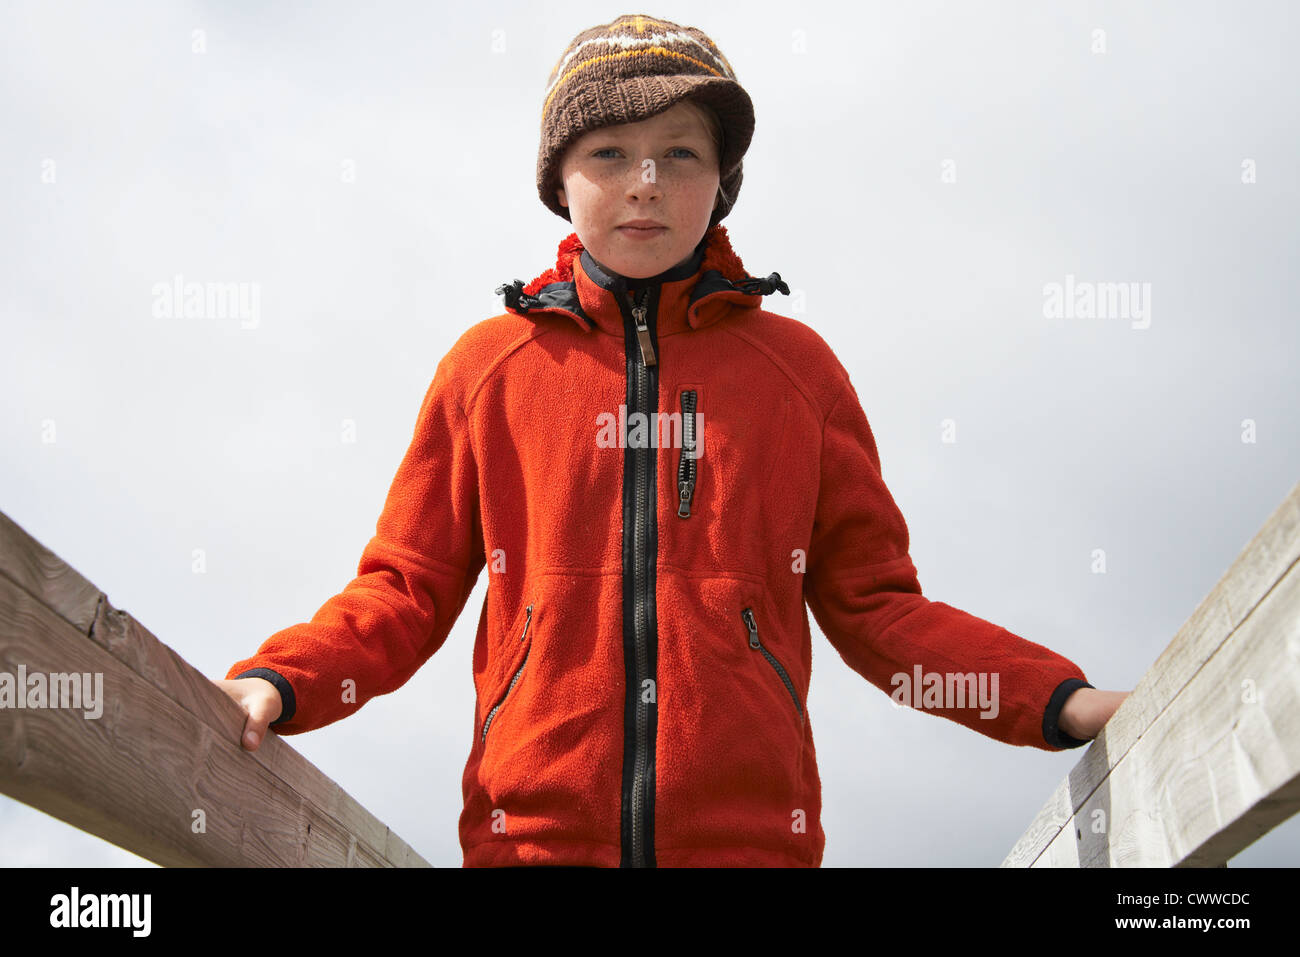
(643, 654)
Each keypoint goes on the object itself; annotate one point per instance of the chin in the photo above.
(642, 269)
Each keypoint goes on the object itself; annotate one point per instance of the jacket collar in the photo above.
(695, 294)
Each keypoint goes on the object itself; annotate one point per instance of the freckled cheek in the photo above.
(667, 178)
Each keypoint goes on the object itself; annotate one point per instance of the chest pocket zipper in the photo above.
(748, 616)
(686, 461)
(487, 722)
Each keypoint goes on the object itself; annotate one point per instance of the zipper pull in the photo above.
(643, 332)
(528, 620)
(685, 488)
(748, 615)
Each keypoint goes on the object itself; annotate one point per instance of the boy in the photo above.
(659, 475)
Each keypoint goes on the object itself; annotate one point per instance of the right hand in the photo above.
(261, 703)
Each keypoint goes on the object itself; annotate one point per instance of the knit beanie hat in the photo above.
(632, 69)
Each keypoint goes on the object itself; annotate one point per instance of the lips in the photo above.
(642, 229)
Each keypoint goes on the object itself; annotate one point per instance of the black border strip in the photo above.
(1052, 732)
(288, 703)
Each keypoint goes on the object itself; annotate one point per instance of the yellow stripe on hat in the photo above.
(663, 51)
(639, 23)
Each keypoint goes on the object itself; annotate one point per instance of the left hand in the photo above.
(1087, 710)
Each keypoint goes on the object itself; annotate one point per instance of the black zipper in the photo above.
(748, 616)
(640, 653)
(686, 462)
(487, 722)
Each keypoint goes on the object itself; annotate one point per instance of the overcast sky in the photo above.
(918, 174)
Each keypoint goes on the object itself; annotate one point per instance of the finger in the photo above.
(259, 718)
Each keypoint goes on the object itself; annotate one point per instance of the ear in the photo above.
(564, 200)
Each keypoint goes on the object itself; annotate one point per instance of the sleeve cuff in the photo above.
(287, 703)
(1052, 732)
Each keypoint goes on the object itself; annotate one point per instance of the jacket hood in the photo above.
(711, 282)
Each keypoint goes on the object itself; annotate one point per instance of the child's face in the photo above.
(663, 169)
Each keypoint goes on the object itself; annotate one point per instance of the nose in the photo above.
(643, 184)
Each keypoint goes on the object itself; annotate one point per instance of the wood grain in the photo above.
(165, 752)
(1190, 770)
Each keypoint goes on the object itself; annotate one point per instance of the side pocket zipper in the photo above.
(748, 616)
(687, 458)
(487, 722)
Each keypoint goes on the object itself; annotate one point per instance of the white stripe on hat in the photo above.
(629, 41)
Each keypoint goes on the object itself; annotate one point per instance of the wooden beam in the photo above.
(164, 754)
(1204, 757)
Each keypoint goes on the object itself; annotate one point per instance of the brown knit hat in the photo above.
(632, 69)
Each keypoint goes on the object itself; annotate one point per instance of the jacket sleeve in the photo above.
(411, 583)
(863, 590)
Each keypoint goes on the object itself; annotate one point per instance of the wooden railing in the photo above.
(159, 771)
(1200, 761)
(1204, 756)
